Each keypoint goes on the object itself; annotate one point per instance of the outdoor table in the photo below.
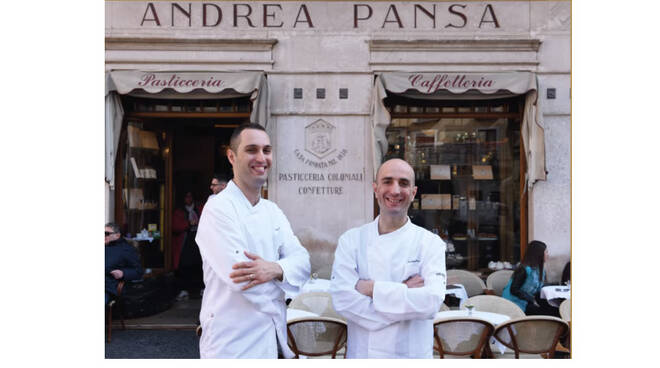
(298, 313)
(555, 294)
(458, 291)
(494, 319)
(316, 285)
(323, 285)
(312, 285)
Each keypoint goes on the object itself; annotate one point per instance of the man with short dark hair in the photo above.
(218, 184)
(121, 261)
(389, 277)
(250, 258)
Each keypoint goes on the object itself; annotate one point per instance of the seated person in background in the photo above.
(524, 287)
(121, 261)
(566, 274)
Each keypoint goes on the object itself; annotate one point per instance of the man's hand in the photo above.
(414, 281)
(117, 274)
(365, 287)
(255, 272)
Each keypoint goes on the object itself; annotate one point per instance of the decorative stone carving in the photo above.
(319, 138)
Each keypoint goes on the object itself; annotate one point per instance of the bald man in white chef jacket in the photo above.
(389, 276)
(250, 259)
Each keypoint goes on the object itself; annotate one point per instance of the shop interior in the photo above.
(167, 148)
(467, 159)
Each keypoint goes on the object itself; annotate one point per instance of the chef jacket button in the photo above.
(212, 315)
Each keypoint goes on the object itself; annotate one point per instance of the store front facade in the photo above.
(475, 95)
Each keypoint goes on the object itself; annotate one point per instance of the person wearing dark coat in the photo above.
(186, 257)
(121, 261)
(566, 274)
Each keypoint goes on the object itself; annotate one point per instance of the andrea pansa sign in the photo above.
(367, 15)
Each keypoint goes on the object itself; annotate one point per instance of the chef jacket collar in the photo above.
(393, 233)
(236, 192)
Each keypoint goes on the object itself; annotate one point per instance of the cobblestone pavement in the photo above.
(149, 344)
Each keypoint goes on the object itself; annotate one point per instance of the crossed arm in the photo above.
(255, 272)
(374, 305)
(224, 247)
(366, 287)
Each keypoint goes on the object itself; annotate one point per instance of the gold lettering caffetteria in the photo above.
(432, 83)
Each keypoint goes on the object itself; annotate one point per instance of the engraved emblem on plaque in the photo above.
(319, 137)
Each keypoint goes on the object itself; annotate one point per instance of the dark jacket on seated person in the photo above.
(119, 255)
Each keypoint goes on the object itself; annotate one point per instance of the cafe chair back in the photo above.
(316, 302)
(531, 335)
(565, 314)
(116, 302)
(316, 336)
(565, 310)
(494, 304)
(472, 283)
(496, 281)
(461, 336)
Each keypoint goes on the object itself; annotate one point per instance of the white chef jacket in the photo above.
(397, 322)
(250, 323)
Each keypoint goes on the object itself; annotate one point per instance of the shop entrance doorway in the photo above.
(168, 147)
(199, 153)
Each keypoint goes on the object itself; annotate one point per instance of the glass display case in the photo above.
(467, 169)
(143, 193)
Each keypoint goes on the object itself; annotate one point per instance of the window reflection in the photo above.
(466, 158)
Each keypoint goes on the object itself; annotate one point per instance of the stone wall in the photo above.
(335, 45)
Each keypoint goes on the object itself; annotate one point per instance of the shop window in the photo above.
(466, 157)
(151, 105)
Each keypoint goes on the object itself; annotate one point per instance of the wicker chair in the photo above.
(316, 336)
(495, 304)
(531, 335)
(472, 283)
(116, 301)
(316, 302)
(462, 337)
(565, 313)
(565, 310)
(496, 281)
